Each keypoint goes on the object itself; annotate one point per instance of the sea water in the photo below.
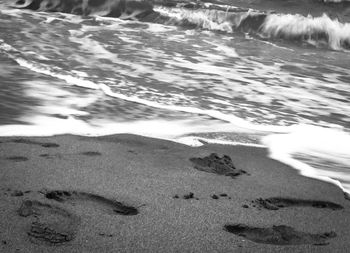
(261, 72)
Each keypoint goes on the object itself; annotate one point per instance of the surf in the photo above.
(321, 31)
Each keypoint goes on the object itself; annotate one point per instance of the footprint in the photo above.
(279, 235)
(91, 153)
(108, 205)
(189, 195)
(214, 164)
(17, 158)
(49, 224)
(278, 202)
(221, 195)
(51, 156)
(43, 144)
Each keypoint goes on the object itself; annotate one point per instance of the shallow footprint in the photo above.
(279, 235)
(50, 224)
(104, 203)
(278, 202)
(218, 165)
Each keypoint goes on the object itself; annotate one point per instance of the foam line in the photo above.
(331, 144)
(195, 141)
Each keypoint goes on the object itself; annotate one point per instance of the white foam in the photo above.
(310, 28)
(207, 19)
(41, 68)
(196, 141)
(335, 1)
(158, 28)
(325, 143)
(48, 126)
(235, 121)
(82, 82)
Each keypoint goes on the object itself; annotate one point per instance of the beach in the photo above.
(128, 193)
(174, 126)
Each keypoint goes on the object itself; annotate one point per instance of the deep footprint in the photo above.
(50, 225)
(277, 203)
(214, 164)
(279, 235)
(104, 203)
(43, 144)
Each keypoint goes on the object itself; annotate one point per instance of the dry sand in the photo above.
(127, 193)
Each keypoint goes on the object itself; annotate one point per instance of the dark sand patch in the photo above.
(91, 153)
(277, 203)
(105, 235)
(17, 158)
(218, 165)
(17, 193)
(43, 144)
(60, 116)
(189, 195)
(221, 195)
(52, 156)
(46, 155)
(14, 193)
(100, 201)
(87, 153)
(50, 225)
(279, 235)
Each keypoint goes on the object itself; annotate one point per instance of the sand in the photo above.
(127, 193)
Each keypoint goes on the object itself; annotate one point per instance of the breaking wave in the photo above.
(109, 8)
(313, 30)
(319, 31)
(335, 1)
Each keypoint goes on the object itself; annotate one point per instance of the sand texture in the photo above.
(127, 193)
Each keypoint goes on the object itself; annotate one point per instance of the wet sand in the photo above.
(127, 193)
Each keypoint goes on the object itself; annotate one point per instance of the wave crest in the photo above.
(319, 31)
(109, 8)
(314, 30)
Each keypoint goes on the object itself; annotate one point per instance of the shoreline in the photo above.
(168, 197)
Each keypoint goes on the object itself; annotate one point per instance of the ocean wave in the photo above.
(309, 29)
(84, 82)
(335, 1)
(321, 31)
(109, 8)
